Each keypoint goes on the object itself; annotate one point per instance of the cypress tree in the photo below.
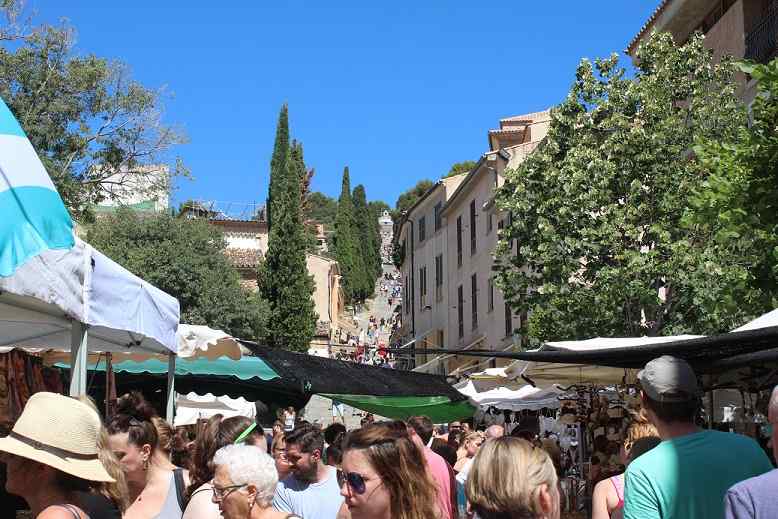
(283, 279)
(286, 284)
(365, 242)
(375, 232)
(278, 168)
(345, 241)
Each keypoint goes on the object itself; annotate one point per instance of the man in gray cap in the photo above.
(687, 475)
(755, 498)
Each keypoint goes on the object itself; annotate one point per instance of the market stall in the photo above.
(56, 291)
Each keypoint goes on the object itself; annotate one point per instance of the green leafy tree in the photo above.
(322, 209)
(85, 115)
(596, 210)
(185, 258)
(408, 198)
(460, 167)
(346, 247)
(283, 277)
(278, 169)
(734, 211)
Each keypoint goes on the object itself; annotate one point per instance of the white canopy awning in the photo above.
(545, 374)
(193, 407)
(42, 300)
(526, 397)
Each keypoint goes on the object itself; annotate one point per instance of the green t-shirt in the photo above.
(687, 477)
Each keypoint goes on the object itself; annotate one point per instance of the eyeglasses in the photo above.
(221, 493)
(354, 480)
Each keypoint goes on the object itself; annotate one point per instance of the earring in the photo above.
(146, 464)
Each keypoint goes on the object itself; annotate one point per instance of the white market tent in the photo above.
(78, 299)
(545, 374)
(526, 397)
(192, 407)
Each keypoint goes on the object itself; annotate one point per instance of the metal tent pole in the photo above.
(79, 335)
(171, 393)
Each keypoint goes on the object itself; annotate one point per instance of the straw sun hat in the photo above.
(60, 432)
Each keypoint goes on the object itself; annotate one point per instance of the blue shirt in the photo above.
(686, 477)
(320, 500)
(753, 498)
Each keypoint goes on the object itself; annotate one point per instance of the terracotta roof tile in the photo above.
(646, 26)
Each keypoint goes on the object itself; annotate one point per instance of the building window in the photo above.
(489, 223)
(423, 286)
(438, 217)
(508, 321)
(459, 241)
(422, 229)
(472, 227)
(439, 277)
(440, 338)
(474, 302)
(490, 296)
(461, 311)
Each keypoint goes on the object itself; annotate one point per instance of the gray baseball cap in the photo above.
(669, 379)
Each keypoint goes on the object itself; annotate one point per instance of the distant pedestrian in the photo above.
(688, 474)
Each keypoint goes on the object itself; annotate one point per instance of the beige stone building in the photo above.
(247, 243)
(737, 28)
(449, 237)
(422, 238)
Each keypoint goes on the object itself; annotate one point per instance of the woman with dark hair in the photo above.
(219, 432)
(155, 490)
(52, 456)
(385, 476)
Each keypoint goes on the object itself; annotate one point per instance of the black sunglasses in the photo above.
(354, 480)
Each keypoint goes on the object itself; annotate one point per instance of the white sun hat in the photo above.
(60, 432)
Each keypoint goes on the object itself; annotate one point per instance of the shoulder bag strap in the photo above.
(178, 476)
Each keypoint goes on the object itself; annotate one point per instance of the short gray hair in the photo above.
(250, 465)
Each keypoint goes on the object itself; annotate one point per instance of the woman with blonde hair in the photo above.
(471, 443)
(385, 476)
(511, 479)
(608, 494)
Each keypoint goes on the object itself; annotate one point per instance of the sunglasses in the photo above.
(354, 480)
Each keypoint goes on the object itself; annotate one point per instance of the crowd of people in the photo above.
(369, 344)
(67, 464)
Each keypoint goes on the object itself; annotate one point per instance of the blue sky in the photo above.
(395, 90)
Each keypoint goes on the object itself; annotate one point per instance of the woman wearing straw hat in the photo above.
(51, 455)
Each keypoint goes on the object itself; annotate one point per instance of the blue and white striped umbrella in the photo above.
(33, 217)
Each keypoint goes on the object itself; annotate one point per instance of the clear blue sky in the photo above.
(395, 90)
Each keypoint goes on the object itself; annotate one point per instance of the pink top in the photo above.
(439, 471)
(618, 485)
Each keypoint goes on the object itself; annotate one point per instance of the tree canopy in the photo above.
(594, 244)
(409, 197)
(283, 277)
(735, 209)
(85, 116)
(460, 167)
(185, 258)
(346, 247)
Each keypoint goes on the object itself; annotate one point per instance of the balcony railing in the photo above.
(762, 41)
